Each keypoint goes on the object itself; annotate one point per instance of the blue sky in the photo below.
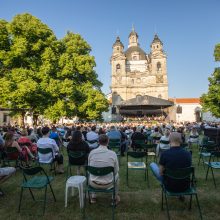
(189, 30)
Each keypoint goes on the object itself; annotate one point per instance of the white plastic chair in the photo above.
(76, 182)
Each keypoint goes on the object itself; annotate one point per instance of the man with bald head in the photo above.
(174, 158)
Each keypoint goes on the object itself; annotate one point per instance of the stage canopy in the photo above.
(144, 105)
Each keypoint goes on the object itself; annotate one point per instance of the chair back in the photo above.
(92, 141)
(75, 155)
(99, 171)
(45, 151)
(193, 136)
(12, 153)
(32, 170)
(210, 147)
(164, 142)
(215, 153)
(136, 154)
(179, 174)
(150, 146)
(139, 143)
(114, 143)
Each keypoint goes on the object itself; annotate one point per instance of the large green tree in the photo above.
(74, 72)
(23, 42)
(211, 100)
(46, 75)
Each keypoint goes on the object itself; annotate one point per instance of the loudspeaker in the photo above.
(113, 110)
(179, 109)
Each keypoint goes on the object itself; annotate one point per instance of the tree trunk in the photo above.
(22, 119)
(35, 119)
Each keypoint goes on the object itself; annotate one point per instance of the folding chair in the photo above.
(36, 182)
(75, 155)
(11, 155)
(205, 152)
(151, 150)
(137, 165)
(115, 145)
(213, 164)
(101, 171)
(51, 162)
(180, 174)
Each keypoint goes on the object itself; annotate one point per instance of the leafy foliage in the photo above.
(45, 75)
(211, 100)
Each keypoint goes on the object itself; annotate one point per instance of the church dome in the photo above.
(133, 49)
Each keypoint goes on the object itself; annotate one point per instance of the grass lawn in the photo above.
(138, 201)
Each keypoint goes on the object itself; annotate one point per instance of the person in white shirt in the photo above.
(162, 146)
(5, 173)
(193, 137)
(103, 157)
(46, 142)
(92, 138)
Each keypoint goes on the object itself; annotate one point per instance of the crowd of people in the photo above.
(93, 139)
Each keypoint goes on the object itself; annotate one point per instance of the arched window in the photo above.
(117, 48)
(158, 66)
(132, 81)
(118, 67)
(134, 58)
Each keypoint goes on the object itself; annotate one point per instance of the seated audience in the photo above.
(103, 157)
(92, 138)
(164, 142)
(54, 134)
(25, 141)
(46, 142)
(23, 151)
(193, 137)
(137, 135)
(78, 144)
(174, 158)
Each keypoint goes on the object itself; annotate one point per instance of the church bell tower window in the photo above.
(118, 67)
(158, 66)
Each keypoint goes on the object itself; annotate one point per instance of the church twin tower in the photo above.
(136, 73)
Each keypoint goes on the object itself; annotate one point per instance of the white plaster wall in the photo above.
(188, 112)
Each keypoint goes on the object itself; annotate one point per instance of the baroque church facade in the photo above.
(137, 73)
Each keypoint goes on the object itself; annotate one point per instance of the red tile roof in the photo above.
(185, 100)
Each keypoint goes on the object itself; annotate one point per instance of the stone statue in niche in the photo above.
(159, 79)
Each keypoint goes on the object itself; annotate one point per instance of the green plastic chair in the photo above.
(115, 145)
(101, 171)
(11, 155)
(32, 180)
(151, 150)
(139, 144)
(205, 152)
(180, 174)
(47, 151)
(74, 155)
(213, 164)
(137, 165)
